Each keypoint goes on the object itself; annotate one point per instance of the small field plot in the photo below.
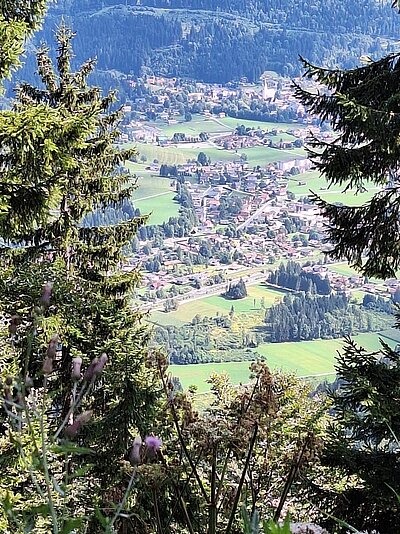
(306, 358)
(194, 127)
(198, 374)
(216, 304)
(313, 181)
(263, 155)
(155, 196)
(302, 184)
(232, 122)
(160, 207)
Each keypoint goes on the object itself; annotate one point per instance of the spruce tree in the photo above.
(60, 162)
(18, 19)
(363, 108)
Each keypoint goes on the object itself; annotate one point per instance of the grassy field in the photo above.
(153, 195)
(233, 122)
(263, 155)
(306, 358)
(211, 306)
(160, 208)
(303, 184)
(197, 125)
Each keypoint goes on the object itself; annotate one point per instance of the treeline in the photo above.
(206, 340)
(305, 317)
(134, 39)
(292, 276)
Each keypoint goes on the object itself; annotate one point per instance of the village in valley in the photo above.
(225, 178)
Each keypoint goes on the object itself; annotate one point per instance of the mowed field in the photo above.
(312, 181)
(210, 306)
(153, 195)
(306, 358)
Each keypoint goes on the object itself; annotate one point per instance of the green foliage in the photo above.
(18, 19)
(252, 444)
(199, 39)
(362, 106)
(60, 161)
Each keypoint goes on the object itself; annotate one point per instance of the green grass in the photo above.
(233, 122)
(262, 155)
(306, 358)
(317, 184)
(154, 195)
(197, 374)
(211, 306)
(194, 127)
(160, 208)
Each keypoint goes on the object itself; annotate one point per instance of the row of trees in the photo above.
(292, 276)
(306, 317)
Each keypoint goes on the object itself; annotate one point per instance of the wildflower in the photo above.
(76, 368)
(14, 322)
(89, 373)
(134, 455)
(46, 294)
(98, 369)
(72, 430)
(153, 445)
(50, 355)
(52, 348)
(47, 365)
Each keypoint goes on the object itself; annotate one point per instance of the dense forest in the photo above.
(198, 39)
(304, 317)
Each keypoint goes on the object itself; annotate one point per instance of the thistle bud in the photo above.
(134, 455)
(98, 369)
(52, 348)
(84, 417)
(46, 294)
(14, 322)
(72, 430)
(76, 368)
(153, 445)
(89, 373)
(28, 382)
(47, 366)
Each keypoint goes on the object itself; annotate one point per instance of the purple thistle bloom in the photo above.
(153, 443)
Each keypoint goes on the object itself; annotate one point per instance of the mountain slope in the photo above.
(222, 40)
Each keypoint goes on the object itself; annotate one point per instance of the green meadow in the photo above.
(216, 304)
(305, 358)
(312, 181)
(153, 195)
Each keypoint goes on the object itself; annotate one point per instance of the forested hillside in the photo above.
(219, 41)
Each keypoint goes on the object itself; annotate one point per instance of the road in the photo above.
(260, 210)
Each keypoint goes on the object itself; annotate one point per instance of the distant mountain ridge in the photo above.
(223, 40)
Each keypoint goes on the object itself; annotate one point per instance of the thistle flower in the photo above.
(76, 368)
(89, 373)
(153, 445)
(47, 365)
(134, 455)
(72, 430)
(52, 347)
(14, 322)
(98, 369)
(46, 294)
(153, 442)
